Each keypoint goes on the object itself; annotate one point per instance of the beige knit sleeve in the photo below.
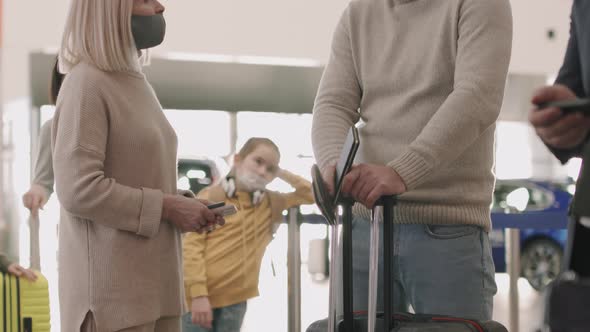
(302, 194)
(483, 55)
(43, 174)
(80, 132)
(194, 246)
(338, 98)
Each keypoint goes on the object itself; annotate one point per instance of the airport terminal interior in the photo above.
(230, 70)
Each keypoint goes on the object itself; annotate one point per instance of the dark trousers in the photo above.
(577, 255)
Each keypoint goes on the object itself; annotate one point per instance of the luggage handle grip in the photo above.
(386, 201)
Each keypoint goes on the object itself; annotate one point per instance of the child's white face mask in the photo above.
(250, 181)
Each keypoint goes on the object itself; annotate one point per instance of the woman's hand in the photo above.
(189, 215)
(219, 220)
(21, 272)
(35, 199)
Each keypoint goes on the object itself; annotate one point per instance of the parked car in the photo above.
(542, 202)
(196, 173)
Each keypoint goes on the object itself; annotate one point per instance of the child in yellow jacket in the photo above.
(221, 268)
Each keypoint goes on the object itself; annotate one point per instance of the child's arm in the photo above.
(195, 269)
(301, 195)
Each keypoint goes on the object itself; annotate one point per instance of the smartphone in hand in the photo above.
(222, 209)
(215, 205)
(226, 210)
(581, 105)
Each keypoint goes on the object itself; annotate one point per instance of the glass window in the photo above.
(201, 133)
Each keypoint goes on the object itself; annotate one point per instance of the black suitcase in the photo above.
(387, 321)
(568, 297)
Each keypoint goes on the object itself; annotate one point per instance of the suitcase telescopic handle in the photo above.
(387, 202)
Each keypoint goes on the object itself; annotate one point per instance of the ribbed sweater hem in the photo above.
(430, 214)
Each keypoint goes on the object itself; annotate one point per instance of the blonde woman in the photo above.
(115, 175)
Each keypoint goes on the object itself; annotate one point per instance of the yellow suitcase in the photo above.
(24, 305)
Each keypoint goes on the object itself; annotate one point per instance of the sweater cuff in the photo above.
(197, 290)
(412, 168)
(151, 212)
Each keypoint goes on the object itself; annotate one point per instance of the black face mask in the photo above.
(148, 31)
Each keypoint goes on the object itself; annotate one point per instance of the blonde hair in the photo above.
(99, 32)
(254, 142)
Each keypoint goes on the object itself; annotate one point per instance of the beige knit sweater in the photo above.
(427, 77)
(43, 175)
(114, 158)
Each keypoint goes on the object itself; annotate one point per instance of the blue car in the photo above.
(543, 206)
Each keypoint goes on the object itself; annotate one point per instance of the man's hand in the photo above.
(202, 314)
(367, 183)
(555, 129)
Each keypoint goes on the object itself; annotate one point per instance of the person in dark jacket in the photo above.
(567, 136)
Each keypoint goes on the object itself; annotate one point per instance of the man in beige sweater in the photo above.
(427, 79)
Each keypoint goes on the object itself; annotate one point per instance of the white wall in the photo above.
(533, 52)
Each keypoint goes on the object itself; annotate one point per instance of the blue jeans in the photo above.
(226, 319)
(446, 270)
